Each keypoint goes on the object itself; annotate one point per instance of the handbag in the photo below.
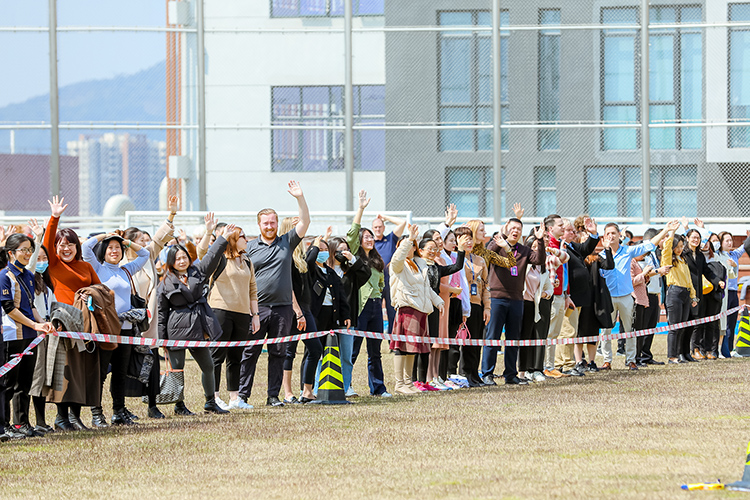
(171, 386)
(463, 332)
(137, 302)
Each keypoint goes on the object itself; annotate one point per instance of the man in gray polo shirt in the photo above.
(271, 255)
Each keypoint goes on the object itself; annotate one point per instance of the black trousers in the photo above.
(235, 326)
(313, 351)
(710, 333)
(449, 357)
(646, 317)
(202, 356)
(531, 359)
(678, 310)
(118, 359)
(275, 321)
(471, 355)
(18, 381)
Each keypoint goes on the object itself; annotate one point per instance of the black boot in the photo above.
(98, 419)
(212, 407)
(130, 414)
(63, 424)
(120, 417)
(154, 412)
(181, 409)
(76, 422)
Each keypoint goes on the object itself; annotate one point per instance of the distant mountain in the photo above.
(138, 97)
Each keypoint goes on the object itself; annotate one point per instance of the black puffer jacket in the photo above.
(184, 313)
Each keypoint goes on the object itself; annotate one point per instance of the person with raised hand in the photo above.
(506, 289)
(385, 244)
(20, 327)
(620, 285)
(414, 299)
(271, 255)
(184, 313)
(233, 297)
(69, 273)
(370, 311)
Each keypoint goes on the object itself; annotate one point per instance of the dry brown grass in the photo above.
(608, 435)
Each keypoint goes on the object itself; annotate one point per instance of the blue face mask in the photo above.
(41, 267)
(322, 256)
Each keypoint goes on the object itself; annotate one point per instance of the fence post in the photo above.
(496, 115)
(54, 115)
(645, 117)
(348, 107)
(201, 108)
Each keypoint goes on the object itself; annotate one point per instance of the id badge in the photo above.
(474, 289)
(514, 271)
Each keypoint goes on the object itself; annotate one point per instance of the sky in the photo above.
(84, 56)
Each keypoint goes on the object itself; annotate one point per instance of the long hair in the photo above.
(231, 252)
(374, 260)
(474, 226)
(42, 279)
(298, 256)
(172, 257)
(687, 238)
(678, 238)
(71, 237)
(333, 246)
(721, 239)
(709, 247)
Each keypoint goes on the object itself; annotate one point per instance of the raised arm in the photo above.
(669, 228)
(38, 233)
(210, 221)
(304, 212)
(211, 261)
(402, 251)
(397, 221)
(87, 251)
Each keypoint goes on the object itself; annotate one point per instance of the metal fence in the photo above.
(626, 110)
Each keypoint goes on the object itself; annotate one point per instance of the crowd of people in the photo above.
(562, 279)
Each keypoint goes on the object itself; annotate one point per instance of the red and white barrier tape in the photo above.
(183, 344)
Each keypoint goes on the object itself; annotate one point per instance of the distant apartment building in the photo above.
(112, 164)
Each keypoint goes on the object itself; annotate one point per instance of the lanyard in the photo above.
(471, 268)
(46, 303)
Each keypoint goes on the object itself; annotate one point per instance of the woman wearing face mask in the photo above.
(414, 300)
(21, 322)
(354, 273)
(184, 313)
(70, 273)
(681, 296)
(426, 369)
(693, 343)
(234, 299)
(106, 262)
(370, 312)
(729, 258)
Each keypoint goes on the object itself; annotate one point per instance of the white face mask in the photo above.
(716, 245)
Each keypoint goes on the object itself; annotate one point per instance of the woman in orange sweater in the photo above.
(70, 273)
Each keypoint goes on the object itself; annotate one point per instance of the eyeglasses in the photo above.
(66, 245)
(27, 251)
(432, 250)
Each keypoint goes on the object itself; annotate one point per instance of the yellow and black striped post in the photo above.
(331, 383)
(742, 345)
(744, 484)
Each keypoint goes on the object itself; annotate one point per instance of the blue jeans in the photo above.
(371, 320)
(508, 314)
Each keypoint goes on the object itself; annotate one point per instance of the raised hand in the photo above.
(684, 222)
(673, 225)
(295, 189)
(699, 223)
(590, 224)
(413, 232)
(463, 241)
(173, 203)
(228, 229)
(57, 206)
(539, 232)
(501, 242)
(36, 228)
(363, 199)
(210, 222)
(329, 232)
(607, 241)
(451, 214)
(518, 210)
(348, 255)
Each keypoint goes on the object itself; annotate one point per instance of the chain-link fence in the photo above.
(223, 102)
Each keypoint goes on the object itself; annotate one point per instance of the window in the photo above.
(616, 191)
(324, 8)
(323, 149)
(549, 79)
(675, 77)
(739, 76)
(545, 201)
(471, 189)
(465, 81)
(618, 89)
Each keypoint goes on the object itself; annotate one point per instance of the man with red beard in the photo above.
(271, 256)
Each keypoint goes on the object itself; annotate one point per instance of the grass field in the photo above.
(606, 435)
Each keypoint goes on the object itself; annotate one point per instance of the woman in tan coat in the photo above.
(413, 299)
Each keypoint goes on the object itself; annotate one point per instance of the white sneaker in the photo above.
(539, 377)
(221, 404)
(386, 394)
(529, 376)
(350, 393)
(238, 404)
(735, 354)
